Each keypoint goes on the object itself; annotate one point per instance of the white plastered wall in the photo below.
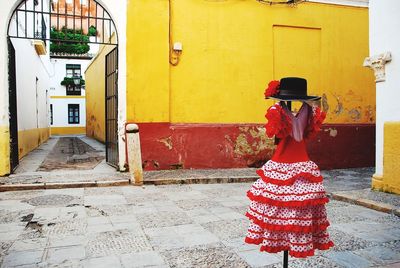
(60, 105)
(32, 86)
(5, 14)
(59, 67)
(32, 76)
(60, 112)
(384, 37)
(29, 66)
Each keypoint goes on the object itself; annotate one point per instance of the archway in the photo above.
(67, 28)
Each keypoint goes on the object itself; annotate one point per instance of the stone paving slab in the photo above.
(212, 255)
(350, 185)
(19, 258)
(380, 255)
(143, 259)
(102, 262)
(172, 232)
(255, 258)
(335, 180)
(349, 260)
(385, 202)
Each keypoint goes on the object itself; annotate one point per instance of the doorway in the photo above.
(61, 29)
(112, 107)
(12, 95)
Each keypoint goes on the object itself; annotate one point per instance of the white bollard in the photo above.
(134, 154)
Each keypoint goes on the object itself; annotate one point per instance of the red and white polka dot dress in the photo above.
(287, 209)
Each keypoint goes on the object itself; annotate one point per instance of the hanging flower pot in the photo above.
(73, 81)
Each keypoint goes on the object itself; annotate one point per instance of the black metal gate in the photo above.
(65, 23)
(112, 107)
(12, 93)
(69, 21)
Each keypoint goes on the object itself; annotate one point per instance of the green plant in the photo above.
(69, 81)
(68, 41)
(92, 31)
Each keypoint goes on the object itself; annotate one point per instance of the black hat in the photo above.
(293, 88)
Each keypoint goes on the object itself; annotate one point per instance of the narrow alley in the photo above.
(65, 159)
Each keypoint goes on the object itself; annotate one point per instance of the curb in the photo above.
(378, 206)
(62, 185)
(207, 180)
(163, 181)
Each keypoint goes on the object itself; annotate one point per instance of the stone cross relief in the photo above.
(377, 63)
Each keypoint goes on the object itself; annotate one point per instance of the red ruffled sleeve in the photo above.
(315, 123)
(278, 122)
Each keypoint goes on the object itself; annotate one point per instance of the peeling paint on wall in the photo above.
(167, 142)
(228, 146)
(370, 113)
(252, 141)
(253, 145)
(339, 106)
(332, 131)
(355, 114)
(153, 163)
(354, 96)
(242, 147)
(325, 105)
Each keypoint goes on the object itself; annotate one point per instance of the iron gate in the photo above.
(66, 23)
(112, 107)
(71, 18)
(12, 93)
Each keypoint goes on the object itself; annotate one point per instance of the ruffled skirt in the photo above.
(287, 209)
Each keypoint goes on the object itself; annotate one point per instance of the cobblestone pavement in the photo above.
(199, 225)
(49, 167)
(347, 179)
(71, 153)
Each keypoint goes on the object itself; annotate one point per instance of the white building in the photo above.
(29, 115)
(67, 102)
(384, 60)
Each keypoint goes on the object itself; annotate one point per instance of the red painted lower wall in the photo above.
(344, 146)
(170, 146)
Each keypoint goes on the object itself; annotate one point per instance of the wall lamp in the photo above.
(176, 52)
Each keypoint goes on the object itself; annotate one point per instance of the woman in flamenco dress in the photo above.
(287, 210)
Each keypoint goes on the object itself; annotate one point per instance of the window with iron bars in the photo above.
(51, 114)
(73, 113)
(41, 32)
(74, 71)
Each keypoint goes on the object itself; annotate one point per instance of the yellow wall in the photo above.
(148, 97)
(4, 150)
(95, 92)
(390, 181)
(232, 49)
(67, 130)
(30, 139)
